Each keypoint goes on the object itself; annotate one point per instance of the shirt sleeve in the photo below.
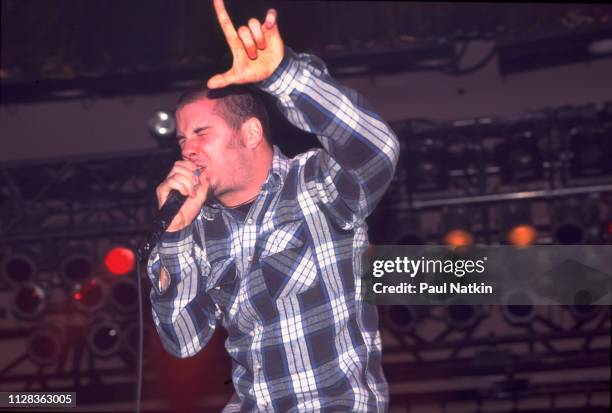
(183, 313)
(350, 175)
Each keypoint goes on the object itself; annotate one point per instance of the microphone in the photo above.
(161, 222)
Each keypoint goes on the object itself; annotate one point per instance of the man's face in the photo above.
(207, 140)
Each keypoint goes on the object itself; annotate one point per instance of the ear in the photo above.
(252, 133)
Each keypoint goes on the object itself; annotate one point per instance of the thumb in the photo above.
(220, 80)
(202, 188)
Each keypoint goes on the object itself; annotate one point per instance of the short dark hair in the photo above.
(235, 104)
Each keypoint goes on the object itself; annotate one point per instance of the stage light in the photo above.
(457, 227)
(516, 228)
(568, 233)
(89, 296)
(520, 158)
(44, 345)
(518, 307)
(29, 301)
(18, 269)
(103, 338)
(76, 268)
(522, 235)
(124, 295)
(464, 157)
(402, 318)
(119, 260)
(591, 152)
(163, 128)
(584, 312)
(568, 228)
(427, 169)
(462, 316)
(458, 238)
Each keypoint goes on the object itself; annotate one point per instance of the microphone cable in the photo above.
(160, 224)
(140, 352)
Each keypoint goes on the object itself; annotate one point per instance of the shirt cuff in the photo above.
(279, 83)
(172, 243)
(165, 255)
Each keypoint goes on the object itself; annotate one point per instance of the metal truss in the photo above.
(490, 360)
(482, 164)
(81, 196)
(486, 160)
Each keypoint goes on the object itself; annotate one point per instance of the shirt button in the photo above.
(249, 258)
(217, 288)
(249, 221)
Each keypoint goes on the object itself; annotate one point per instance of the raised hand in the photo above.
(257, 49)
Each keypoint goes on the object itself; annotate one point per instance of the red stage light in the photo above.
(119, 260)
(89, 295)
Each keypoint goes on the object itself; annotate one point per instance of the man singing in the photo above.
(268, 246)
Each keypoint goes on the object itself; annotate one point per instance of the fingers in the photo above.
(181, 178)
(252, 38)
(188, 173)
(247, 40)
(270, 19)
(182, 184)
(188, 166)
(247, 44)
(255, 28)
(202, 188)
(226, 25)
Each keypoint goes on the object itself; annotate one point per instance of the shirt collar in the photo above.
(275, 180)
(278, 172)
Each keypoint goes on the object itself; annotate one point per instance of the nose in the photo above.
(188, 151)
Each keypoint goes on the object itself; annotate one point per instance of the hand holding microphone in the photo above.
(190, 181)
(180, 197)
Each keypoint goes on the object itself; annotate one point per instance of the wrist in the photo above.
(281, 70)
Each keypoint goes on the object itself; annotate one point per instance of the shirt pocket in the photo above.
(286, 261)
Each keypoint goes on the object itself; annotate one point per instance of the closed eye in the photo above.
(200, 131)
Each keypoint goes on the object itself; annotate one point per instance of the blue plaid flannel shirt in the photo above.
(284, 279)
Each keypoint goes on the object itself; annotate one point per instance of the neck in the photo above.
(254, 181)
(248, 201)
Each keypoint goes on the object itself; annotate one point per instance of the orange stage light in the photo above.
(522, 235)
(458, 238)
